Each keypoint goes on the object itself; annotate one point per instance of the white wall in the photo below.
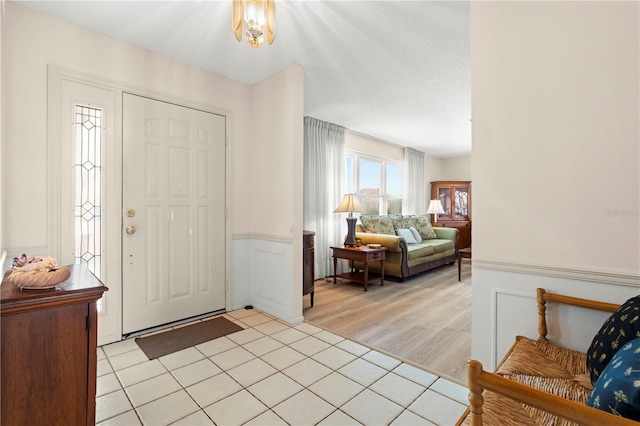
(555, 124)
(432, 172)
(31, 41)
(272, 279)
(456, 168)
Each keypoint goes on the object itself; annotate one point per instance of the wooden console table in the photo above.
(49, 344)
(362, 254)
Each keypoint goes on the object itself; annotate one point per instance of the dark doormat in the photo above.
(171, 341)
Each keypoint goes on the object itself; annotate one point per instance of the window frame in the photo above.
(353, 181)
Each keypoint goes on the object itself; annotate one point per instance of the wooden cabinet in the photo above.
(48, 359)
(308, 270)
(455, 197)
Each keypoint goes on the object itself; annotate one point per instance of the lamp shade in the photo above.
(435, 206)
(350, 204)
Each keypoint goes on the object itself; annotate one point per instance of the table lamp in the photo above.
(435, 207)
(350, 204)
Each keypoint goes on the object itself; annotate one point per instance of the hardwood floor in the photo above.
(425, 320)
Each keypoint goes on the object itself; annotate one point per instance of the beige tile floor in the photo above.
(270, 373)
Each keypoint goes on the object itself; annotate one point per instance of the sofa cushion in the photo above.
(416, 234)
(377, 224)
(421, 223)
(621, 327)
(397, 221)
(409, 221)
(415, 251)
(439, 246)
(617, 390)
(407, 235)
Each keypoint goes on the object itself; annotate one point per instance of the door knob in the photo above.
(131, 229)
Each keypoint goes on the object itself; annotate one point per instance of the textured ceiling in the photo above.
(393, 70)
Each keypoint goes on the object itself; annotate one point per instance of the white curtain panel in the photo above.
(324, 187)
(413, 182)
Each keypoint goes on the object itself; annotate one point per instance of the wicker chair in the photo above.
(537, 383)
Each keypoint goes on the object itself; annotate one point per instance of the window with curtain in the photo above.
(377, 181)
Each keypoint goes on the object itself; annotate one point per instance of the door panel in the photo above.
(174, 183)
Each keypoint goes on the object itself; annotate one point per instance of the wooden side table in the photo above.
(362, 254)
(463, 253)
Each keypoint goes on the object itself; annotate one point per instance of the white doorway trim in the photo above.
(58, 183)
(64, 93)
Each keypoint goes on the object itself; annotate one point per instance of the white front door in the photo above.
(173, 236)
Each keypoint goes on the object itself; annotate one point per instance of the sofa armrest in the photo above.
(391, 242)
(447, 234)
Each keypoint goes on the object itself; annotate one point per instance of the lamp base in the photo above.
(350, 240)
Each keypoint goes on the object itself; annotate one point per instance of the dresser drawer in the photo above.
(377, 255)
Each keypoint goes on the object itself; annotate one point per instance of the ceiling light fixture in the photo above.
(258, 17)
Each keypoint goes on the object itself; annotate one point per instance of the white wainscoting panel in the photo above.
(507, 306)
(504, 306)
(262, 276)
(238, 283)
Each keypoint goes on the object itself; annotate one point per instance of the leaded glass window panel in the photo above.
(462, 205)
(88, 202)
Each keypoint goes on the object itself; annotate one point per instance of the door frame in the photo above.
(58, 183)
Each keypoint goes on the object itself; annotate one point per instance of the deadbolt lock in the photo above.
(131, 213)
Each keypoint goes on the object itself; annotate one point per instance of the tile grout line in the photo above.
(304, 387)
(404, 407)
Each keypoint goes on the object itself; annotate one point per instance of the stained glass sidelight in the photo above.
(88, 205)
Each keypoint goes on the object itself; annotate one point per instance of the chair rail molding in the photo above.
(581, 273)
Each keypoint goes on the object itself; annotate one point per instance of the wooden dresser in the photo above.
(308, 260)
(48, 358)
(456, 201)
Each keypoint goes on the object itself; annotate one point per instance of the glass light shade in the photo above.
(258, 16)
(350, 204)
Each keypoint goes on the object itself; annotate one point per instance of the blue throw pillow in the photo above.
(618, 387)
(621, 327)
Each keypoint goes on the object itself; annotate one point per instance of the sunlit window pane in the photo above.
(378, 183)
(370, 183)
(393, 189)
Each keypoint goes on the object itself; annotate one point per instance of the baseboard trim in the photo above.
(623, 278)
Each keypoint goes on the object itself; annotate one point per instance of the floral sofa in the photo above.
(406, 255)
